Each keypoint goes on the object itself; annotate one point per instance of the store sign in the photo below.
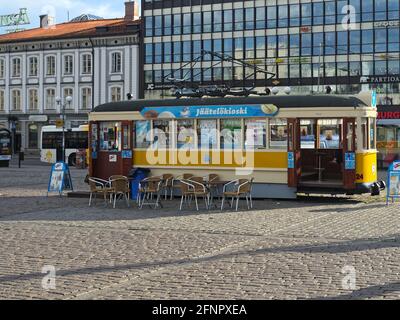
(15, 19)
(389, 115)
(384, 79)
(194, 112)
(386, 24)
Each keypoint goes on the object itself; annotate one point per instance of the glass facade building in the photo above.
(349, 45)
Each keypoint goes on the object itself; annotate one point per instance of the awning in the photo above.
(388, 122)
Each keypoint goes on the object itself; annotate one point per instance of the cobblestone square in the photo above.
(300, 249)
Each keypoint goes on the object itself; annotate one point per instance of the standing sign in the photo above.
(60, 178)
(393, 189)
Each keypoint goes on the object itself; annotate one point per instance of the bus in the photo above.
(52, 141)
(5, 147)
(290, 144)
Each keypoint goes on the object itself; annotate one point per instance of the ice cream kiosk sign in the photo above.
(393, 182)
(207, 112)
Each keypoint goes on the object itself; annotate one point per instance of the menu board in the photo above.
(393, 183)
(60, 178)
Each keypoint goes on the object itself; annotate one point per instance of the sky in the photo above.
(103, 8)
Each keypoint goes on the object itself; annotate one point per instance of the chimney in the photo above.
(46, 21)
(131, 11)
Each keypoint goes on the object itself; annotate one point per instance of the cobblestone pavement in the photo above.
(280, 250)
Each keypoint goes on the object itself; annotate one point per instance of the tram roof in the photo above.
(291, 101)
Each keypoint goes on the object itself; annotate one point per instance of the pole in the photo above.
(63, 143)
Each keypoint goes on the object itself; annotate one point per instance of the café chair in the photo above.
(101, 187)
(120, 186)
(238, 189)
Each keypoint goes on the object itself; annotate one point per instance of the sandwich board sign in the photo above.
(393, 183)
(60, 178)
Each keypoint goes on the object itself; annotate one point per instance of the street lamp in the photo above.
(59, 101)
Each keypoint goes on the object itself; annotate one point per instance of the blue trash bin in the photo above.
(137, 176)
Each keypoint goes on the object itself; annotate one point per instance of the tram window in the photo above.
(161, 130)
(186, 134)
(127, 137)
(364, 132)
(142, 134)
(278, 134)
(329, 131)
(307, 133)
(349, 138)
(231, 134)
(110, 136)
(372, 133)
(256, 133)
(207, 133)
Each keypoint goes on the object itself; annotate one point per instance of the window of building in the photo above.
(68, 92)
(68, 65)
(158, 54)
(249, 18)
(86, 98)
(116, 94)
(51, 66)
(16, 100)
(294, 10)
(278, 134)
(256, 133)
(187, 23)
(2, 105)
(217, 21)
(149, 53)
(158, 28)
(207, 21)
(2, 68)
(177, 24)
(306, 14)
(271, 17)
(33, 133)
(142, 134)
(87, 64)
(50, 99)
(197, 23)
(330, 12)
(239, 19)
(16, 67)
(149, 26)
(228, 20)
(167, 25)
(207, 133)
(33, 66)
(260, 18)
(33, 100)
(231, 134)
(283, 15)
(367, 13)
(167, 52)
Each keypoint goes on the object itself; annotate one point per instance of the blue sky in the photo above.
(103, 8)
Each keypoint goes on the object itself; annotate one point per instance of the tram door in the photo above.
(294, 152)
(349, 153)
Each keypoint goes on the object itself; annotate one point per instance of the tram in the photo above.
(288, 144)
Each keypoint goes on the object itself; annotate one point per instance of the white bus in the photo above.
(51, 143)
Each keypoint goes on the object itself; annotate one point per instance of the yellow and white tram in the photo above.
(289, 144)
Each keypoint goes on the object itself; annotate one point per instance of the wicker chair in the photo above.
(193, 188)
(101, 187)
(167, 184)
(120, 186)
(176, 182)
(241, 188)
(148, 188)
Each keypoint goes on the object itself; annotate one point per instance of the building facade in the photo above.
(93, 61)
(350, 46)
